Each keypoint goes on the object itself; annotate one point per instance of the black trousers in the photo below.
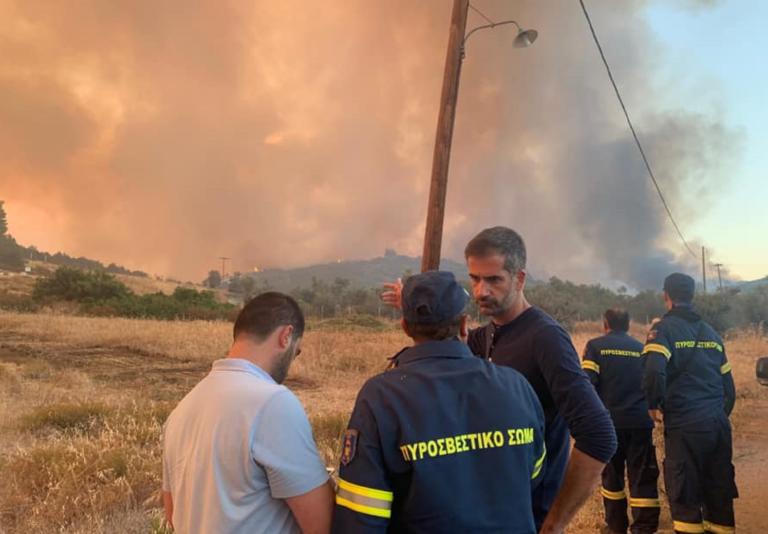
(637, 455)
(699, 476)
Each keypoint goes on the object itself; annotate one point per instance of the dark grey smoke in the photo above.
(163, 135)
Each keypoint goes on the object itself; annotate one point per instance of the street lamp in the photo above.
(524, 39)
(457, 39)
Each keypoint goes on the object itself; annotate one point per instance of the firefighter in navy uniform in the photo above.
(525, 338)
(614, 367)
(688, 379)
(443, 441)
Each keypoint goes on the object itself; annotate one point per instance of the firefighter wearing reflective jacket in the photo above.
(614, 367)
(443, 441)
(688, 379)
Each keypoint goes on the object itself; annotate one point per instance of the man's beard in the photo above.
(491, 307)
(283, 363)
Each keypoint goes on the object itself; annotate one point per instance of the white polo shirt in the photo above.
(233, 449)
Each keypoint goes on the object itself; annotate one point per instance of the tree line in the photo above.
(13, 256)
(568, 302)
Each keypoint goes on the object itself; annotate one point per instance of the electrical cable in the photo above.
(473, 8)
(632, 129)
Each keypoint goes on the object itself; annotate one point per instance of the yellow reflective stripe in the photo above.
(718, 529)
(613, 495)
(644, 503)
(366, 492)
(539, 463)
(370, 510)
(694, 528)
(655, 347)
(368, 502)
(725, 368)
(592, 366)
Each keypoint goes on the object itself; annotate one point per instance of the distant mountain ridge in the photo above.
(360, 273)
(752, 285)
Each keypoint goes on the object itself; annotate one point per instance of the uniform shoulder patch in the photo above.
(349, 446)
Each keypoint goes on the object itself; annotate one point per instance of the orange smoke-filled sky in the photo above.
(163, 135)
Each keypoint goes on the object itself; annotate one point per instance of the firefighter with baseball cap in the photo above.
(688, 380)
(613, 364)
(442, 441)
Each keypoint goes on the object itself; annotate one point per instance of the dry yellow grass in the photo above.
(16, 284)
(82, 401)
(200, 340)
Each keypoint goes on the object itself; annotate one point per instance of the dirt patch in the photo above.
(750, 457)
(160, 377)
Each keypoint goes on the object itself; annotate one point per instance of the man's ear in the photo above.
(404, 326)
(520, 279)
(284, 336)
(464, 328)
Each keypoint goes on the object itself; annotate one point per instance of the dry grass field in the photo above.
(82, 401)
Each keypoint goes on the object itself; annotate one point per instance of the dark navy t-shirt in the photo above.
(539, 347)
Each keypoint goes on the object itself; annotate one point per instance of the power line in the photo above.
(634, 134)
(473, 8)
(223, 264)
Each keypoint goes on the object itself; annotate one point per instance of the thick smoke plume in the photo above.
(163, 135)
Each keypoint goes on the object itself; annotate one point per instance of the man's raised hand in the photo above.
(392, 293)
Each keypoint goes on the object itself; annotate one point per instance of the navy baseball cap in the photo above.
(679, 287)
(432, 297)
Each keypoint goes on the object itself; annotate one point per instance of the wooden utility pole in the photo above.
(719, 278)
(433, 236)
(703, 269)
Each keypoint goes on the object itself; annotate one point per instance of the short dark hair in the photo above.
(680, 288)
(499, 240)
(264, 313)
(617, 319)
(435, 332)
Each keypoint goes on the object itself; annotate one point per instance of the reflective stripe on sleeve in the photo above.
(638, 502)
(613, 495)
(592, 366)
(693, 528)
(725, 368)
(368, 501)
(539, 463)
(718, 529)
(655, 347)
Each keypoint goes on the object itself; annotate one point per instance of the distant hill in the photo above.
(61, 259)
(361, 273)
(752, 285)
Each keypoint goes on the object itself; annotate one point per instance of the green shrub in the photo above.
(11, 254)
(80, 286)
(101, 294)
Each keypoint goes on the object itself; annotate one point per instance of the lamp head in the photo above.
(525, 38)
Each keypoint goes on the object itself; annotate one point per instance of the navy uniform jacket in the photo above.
(614, 365)
(443, 442)
(687, 374)
(538, 347)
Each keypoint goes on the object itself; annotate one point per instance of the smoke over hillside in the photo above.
(163, 135)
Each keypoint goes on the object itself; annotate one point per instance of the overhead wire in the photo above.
(473, 8)
(634, 133)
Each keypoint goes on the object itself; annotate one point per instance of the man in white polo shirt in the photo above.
(238, 452)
